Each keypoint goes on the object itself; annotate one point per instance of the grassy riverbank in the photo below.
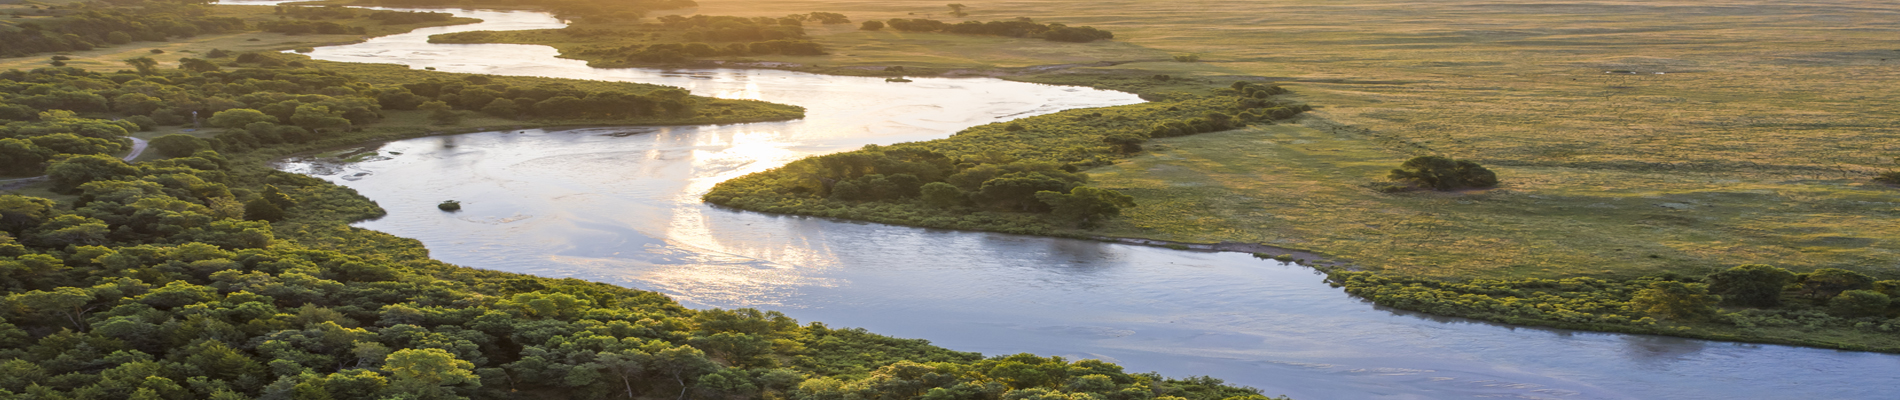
(1750, 147)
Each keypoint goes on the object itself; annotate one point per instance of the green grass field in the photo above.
(1632, 137)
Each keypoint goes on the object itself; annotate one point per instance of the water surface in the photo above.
(620, 205)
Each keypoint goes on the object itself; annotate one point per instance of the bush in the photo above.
(872, 26)
(1891, 177)
(1859, 303)
(1828, 282)
(1440, 173)
(450, 205)
(179, 145)
(1753, 285)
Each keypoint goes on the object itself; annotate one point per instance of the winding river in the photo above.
(620, 205)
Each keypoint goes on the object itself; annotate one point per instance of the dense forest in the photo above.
(1019, 177)
(267, 99)
(580, 10)
(81, 26)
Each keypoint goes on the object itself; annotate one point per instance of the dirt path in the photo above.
(138, 146)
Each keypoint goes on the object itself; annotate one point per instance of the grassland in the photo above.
(1633, 137)
(112, 58)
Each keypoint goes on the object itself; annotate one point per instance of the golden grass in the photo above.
(1754, 144)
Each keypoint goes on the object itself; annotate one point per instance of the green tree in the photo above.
(1126, 142)
(313, 117)
(428, 373)
(1440, 173)
(504, 108)
(1827, 282)
(1859, 303)
(680, 363)
(1753, 285)
(66, 304)
(1674, 300)
(872, 26)
(355, 384)
(17, 213)
(179, 145)
(239, 117)
(145, 65)
(943, 195)
(441, 114)
(1086, 205)
(67, 174)
(214, 359)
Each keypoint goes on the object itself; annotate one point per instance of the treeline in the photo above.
(1758, 303)
(340, 12)
(267, 100)
(583, 10)
(479, 94)
(1002, 177)
(91, 26)
(1021, 28)
(309, 19)
(291, 104)
(678, 39)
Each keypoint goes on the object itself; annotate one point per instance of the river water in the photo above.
(620, 205)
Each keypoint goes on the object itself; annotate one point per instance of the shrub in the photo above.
(1890, 177)
(1828, 282)
(1674, 300)
(1187, 58)
(1859, 303)
(872, 26)
(450, 205)
(1440, 173)
(1753, 285)
(179, 145)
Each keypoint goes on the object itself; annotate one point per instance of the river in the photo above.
(620, 205)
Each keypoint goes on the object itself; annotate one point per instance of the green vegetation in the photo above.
(80, 26)
(1748, 148)
(309, 19)
(592, 11)
(707, 39)
(1440, 173)
(270, 99)
(1757, 303)
(210, 275)
(673, 39)
(156, 283)
(1017, 177)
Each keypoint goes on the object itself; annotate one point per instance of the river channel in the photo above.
(620, 205)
